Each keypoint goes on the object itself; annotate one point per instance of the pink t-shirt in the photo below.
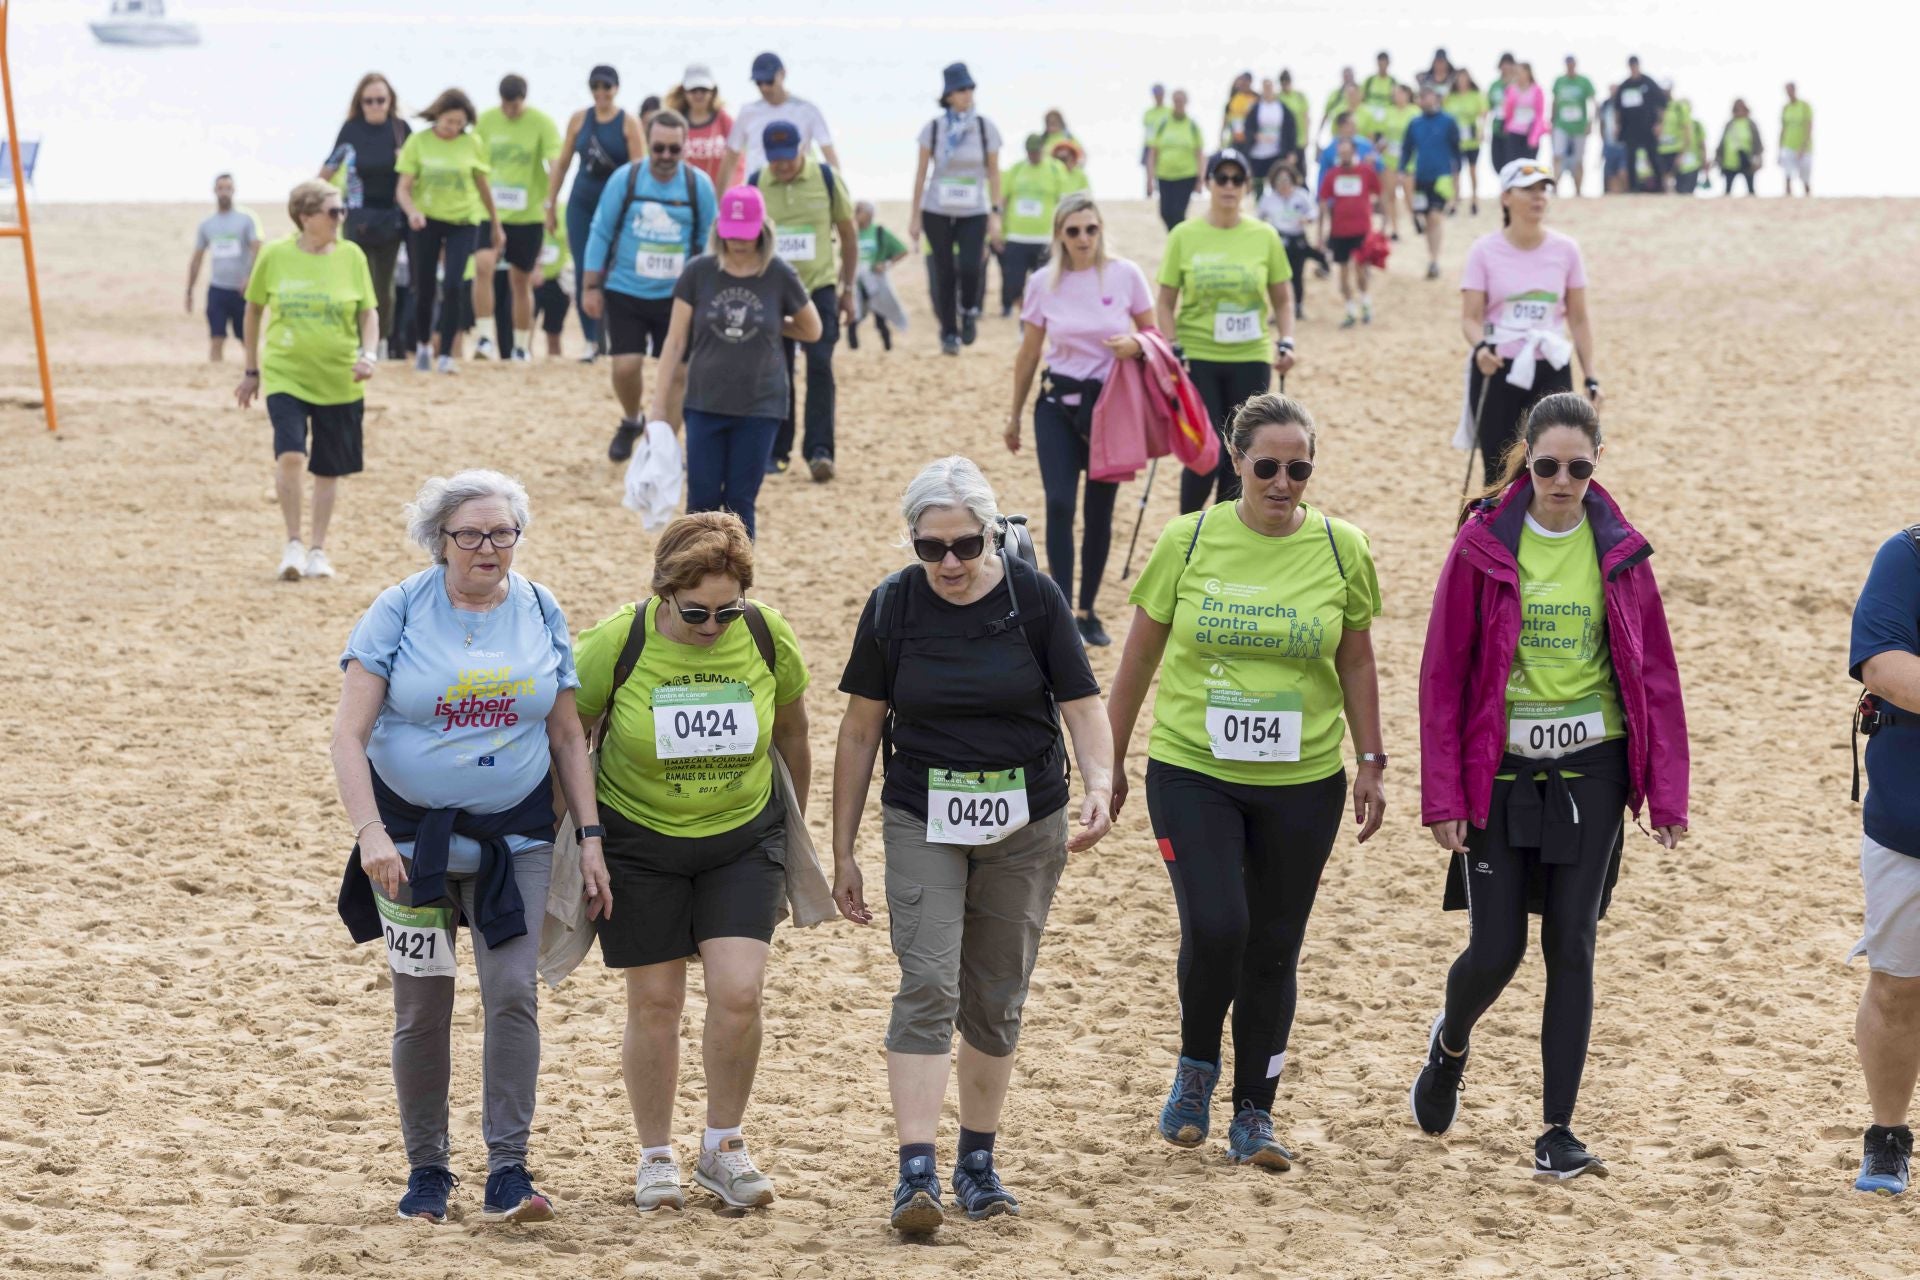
(1525, 113)
(1088, 308)
(1525, 288)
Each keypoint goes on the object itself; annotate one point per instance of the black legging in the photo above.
(957, 282)
(1299, 254)
(1063, 457)
(1246, 863)
(1175, 193)
(1745, 170)
(1223, 388)
(423, 252)
(1504, 415)
(1496, 876)
(1017, 261)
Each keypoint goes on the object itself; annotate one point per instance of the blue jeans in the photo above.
(726, 461)
(580, 207)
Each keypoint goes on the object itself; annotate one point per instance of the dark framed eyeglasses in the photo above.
(1267, 468)
(696, 615)
(667, 148)
(471, 539)
(933, 551)
(1548, 468)
(1230, 178)
(1081, 233)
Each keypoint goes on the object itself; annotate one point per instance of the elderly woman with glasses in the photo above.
(964, 666)
(700, 687)
(456, 711)
(322, 326)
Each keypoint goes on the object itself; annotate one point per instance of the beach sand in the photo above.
(195, 1059)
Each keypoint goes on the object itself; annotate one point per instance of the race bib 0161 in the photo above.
(796, 245)
(1549, 730)
(1236, 326)
(704, 720)
(510, 199)
(1253, 726)
(975, 808)
(419, 939)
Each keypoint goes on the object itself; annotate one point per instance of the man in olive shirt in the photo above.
(808, 204)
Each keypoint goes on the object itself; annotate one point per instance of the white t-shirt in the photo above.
(752, 121)
(957, 173)
(1290, 214)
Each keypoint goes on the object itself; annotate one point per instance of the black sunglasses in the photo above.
(933, 551)
(1080, 233)
(695, 615)
(335, 212)
(1267, 468)
(373, 102)
(1548, 468)
(667, 148)
(601, 84)
(1233, 178)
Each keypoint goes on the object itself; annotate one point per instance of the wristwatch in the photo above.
(1374, 757)
(594, 832)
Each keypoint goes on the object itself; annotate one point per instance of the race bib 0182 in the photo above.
(419, 939)
(704, 720)
(510, 199)
(1549, 730)
(975, 808)
(1253, 726)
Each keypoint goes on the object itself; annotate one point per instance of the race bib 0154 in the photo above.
(1253, 726)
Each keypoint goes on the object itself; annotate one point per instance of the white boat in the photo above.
(143, 22)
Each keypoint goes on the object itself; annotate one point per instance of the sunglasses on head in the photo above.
(667, 148)
(695, 615)
(1080, 233)
(1267, 468)
(1230, 178)
(1548, 468)
(933, 551)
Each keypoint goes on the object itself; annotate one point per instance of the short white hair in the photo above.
(441, 496)
(951, 482)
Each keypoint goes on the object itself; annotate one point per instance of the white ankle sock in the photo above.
(717, 1136)
(656, 1153)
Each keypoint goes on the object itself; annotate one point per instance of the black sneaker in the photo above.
(1558, 1155)
(969, 327)
(1092, 634)
(916, 1201)
(820, 467)
(950, 345)
(427, 1191)
(620, 448)
(977, 1189)
(777, 466)
(1435, 1096)
(512, 1197)
(1885, 1161)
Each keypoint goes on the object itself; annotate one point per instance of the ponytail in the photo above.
(1561, 409)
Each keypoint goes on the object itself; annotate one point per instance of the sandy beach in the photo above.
(195, 1058)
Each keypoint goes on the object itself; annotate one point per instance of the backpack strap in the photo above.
(1196, 536)
(1338, 563)
(984, 157)
(762, 636)
(622, 668)
(693, 224)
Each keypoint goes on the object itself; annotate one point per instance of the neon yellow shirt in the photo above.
(1796, 126)
(1468, 111)
(443, 170)
(519, 153)
(1223, 274)
(313, 303)
(1178, 142)
(1561, 695)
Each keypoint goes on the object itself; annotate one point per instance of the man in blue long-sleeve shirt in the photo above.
(1432, 150)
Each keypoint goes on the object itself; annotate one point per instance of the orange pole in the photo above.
(24, 232)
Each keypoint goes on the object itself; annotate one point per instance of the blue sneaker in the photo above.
(1184, 1120)
(916, 1201)
(1883, 1165)
(1250, 1141)
(977, 1187)
(512, 1197)
(427, 1191)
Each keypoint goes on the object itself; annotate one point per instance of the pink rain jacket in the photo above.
(1147, 409)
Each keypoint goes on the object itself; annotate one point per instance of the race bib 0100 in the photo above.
(704, 720)
(1236, 326)
(1253, 726)
(419, 939)
(975, 808)
(1549, 730)
(796, 245)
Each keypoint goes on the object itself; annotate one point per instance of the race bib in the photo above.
(1419, 202)
(704, 720)
(1632, 98)
(1348, 184)
(227, 248)
(1253, 726)
(1236, 326)
(549, 254)
(419, 939)
(795, 245)
(1530, 312)
(510, 199)
(1572, 114)
(958, 193)
(1266, 140)
(975, 808)
(1522, 118)
(1029, 208)
(1549, 730)
(655, 263)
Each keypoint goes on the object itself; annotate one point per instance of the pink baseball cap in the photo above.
(742, 213)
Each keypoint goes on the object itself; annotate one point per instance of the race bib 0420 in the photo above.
(1549, 730)
(704, 720)
(1253, 726)
(510, 199)
(419, 939)
(796, 245)
(975, 808)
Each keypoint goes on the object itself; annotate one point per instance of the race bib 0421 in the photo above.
(975, 808)
(1253, 726)
(419, 939)
(704, 720)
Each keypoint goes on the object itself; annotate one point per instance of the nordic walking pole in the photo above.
(1134, 541)
(1486, 383)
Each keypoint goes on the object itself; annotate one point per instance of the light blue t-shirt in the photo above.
(1363, 153)
(464, 724)
(660, 235)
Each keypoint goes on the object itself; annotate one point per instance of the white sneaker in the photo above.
(447, 365)
(318, 566)
(656, 1185)
(292, 562)
(730, 1174)
(520, 356)
(483, 349)
(422, 360)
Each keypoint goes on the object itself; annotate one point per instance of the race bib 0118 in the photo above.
(419, 939)
(510, 199)
(796, 245)
(1260, 727)
(704, 720)
(655, 263)
(1236, 326)
(975, 808)
(1549, 730)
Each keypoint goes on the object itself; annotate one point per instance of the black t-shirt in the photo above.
(974, 703)
(375, 149)
(1642, 118)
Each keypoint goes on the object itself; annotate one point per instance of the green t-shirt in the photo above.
(1395, 128)
(1371, 119)
(1077, 180)
(1468, 111)
(1572, 98)
(1378, 89)
(1496, 94)
(313, 303)
(687, 698)
(1223, 275)
(1248, 672)
(805, 215)
(1676, 127)
(1179, 143)
(1150, 123)
(519, 152)
(877, 244)
(1561, 695)
(1032, 190)
(1796, 126)
(1296, 104)
(554, 254)
(1740, 136)
(443, 170)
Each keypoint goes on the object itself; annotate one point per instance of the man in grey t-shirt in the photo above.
(231, 238)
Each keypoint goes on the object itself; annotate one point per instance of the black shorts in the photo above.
(550, 304)
(1469, 156)
(226, 307)
(672, 893)
(1344, 247)
(636, 326)
(524, 240)
(336, 432)
(1434, 200)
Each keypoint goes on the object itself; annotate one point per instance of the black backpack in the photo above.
(1870, 714)
(693, 207)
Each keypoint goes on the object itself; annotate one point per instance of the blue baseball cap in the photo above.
(781, 140)
(766, 67)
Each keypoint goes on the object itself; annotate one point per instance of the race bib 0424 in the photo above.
(704, 720)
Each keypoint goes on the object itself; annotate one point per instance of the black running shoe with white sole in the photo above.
(620, 448)
(1558, 1155)
(1435, 1096)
